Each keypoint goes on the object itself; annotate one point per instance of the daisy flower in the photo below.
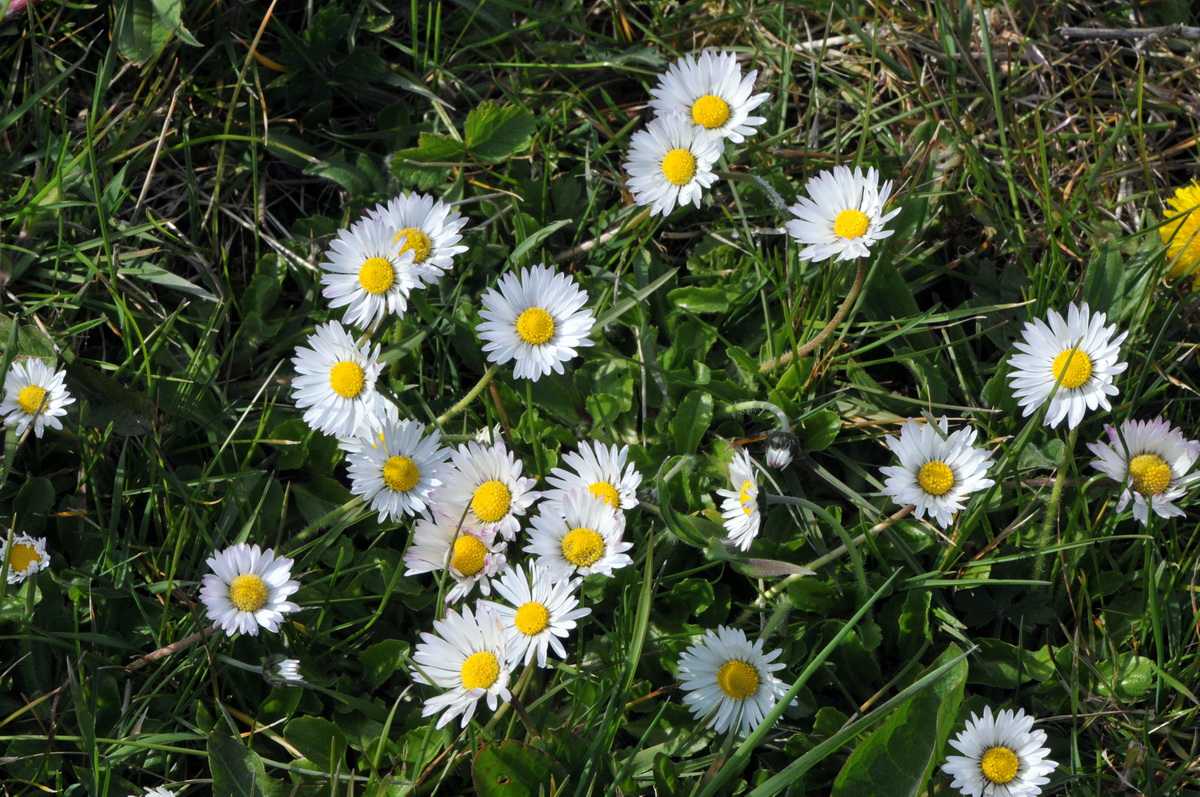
(670, 163)
(844, 216)
(730, 681)
(1150, 460)
(485, 489)
(33, 394)
(780, 444)
(1181, 232)
(248, 588)
(599, 469)
(366, 274)
(466, 656)
(426, 228)
(740, 507)
(937, 472)
(370, 430)
(541, 613)
(711, 91)
(584, 538)
(1002, 757)
(471, 557)
(283, 672)
(536, 320)
(397, 469)
(157, 791)
(24, 555)
(336, 381)
(1075, 360)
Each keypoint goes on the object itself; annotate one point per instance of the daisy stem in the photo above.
(471, 395)
(517, 691)
(1060, 478)
(743, 406)
(838, 317)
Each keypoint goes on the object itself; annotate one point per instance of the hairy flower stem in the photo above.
(743, 406)
(838, 317)
(1060, 478)
(465, 401)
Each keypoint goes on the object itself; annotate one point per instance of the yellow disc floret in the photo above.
(401, 474)
(491, 501)
(607, 493)
(999, 765)
(935, 478)
(679, 166)
(535, 326)
(745, 497)
(532, 618)
(30, 399)
(376, 275)
(416, 242)
(582, 547)
(737, 679)
(710, 112)
(469, 555)
(248, 592)
(851, 223)
(21, 556)
(480, 671)
(1181, 233)
(347, 379)
(1150, 474)
(1074, 373)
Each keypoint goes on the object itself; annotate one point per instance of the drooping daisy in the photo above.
(1181, 233)
(485, 490)
(937, 472)
(248, 589)
(730, 681)
(34, 394)
(397, 470)
(780, 445)
(585, 537)
(336, 381)
(1151, 461)
(599, 469)
(466, 655)
(366, 274)
(25, 556)
(711, 91)
(541, 615)
(470, 556)
(536, 320)
(842, 216)
(670, 163)
(740, 507)
(1075, 360)
(427, 228)
(1002, 756)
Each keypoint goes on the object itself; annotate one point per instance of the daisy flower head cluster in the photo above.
(730, 682)
(34, 395)
(1152, 463)
(1002, 756)
(1180, 234)
(938, 471)
(24, 555)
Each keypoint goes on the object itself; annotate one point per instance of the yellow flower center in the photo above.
(347, 379)
(582, 547)
(21, 556)
(401, 474)
(532, 618)
(745, 497)
(535, 326)
(376, 275)
(1181, 233)
(469, 554)
(999, 765)
(248, 593)
(935, 478)
(416, 242)
(1150, 474)
(1072, 375)
(679, 166)
(30, 399)
(737, 679)
(710, 111)
(607, 493)
(850, 223)
(480, 671)
(491, 501)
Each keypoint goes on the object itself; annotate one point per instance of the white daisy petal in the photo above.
(466, 656)
(599, 469)
(670, 163)
(396, 470)
(248, 589)
(484, 489)
(585, 537)
(1152, 463)
(730, 681)
(710, 91)
(425, 229)
(24, 555)
(471, 557)
(335, 385)
(34, 394)
(1001, 756)
(740, 507)
(540, 615)
(937, 472)
(844, 217)
(365, 273)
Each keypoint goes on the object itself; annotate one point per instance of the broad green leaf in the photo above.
(700, 300)
(318, 740)
(508, 768)
(144, 27)
(381, 660)
(1131, 678)
(129, 411)
(238, 771)
(1007, 666)
(495, 132)
(691, 421)
(817, 431)
(30, 341)
(425, 165)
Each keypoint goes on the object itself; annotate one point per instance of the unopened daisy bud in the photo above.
(779, 448)
(281, 672)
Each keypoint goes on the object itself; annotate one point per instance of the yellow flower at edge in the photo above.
(1181, 233)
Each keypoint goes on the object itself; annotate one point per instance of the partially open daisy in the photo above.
(466, 656)
(599, 469)
(540, 615)
(471, 557)
(426, 228)
(1002, 756)
(842, 216)
(584, 538)
(24, 555)
(740, 507)
(711, 91)
(1069, 363)
(397, 470)
(248, 589)
(34, 394)
(937, 471)
(1151, 461)
(336, 382)
(670, 163)
(536, 320)
(365, 273)
(729, 681)
(1181, 232)
(485, 489)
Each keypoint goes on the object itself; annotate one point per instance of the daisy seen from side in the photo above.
(484, 489)
(397, 469)
(466, 656)
(336, 378)
(248, 589)
(365, 273)
(34, 395)
(1151, 461)
(24, 555)
(1180, 234)
(540, 615)
(602, 470)
(842, 217)
(730, 682)
(670, 163)
(740, 507)
(471, 557)
(426, 228)
(711, 92)
(585, 537)
(1001, 756)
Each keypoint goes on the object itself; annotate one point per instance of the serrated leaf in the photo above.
(508, 768)
(496, 132)
(691, 421)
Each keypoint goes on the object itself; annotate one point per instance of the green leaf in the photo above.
(508, 768)
(496, 132)
(700, 300)
(130, 412)
(144, 27)
(817, 431)
(424, 165)
(238, 771)
(382, 659)
(1131, 678)
(157, 275)
(318, 740)
(692, 421)
(1007, 666)
(30, 341)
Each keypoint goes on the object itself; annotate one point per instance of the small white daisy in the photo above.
(397, 470)
(541, 613)
(1075, 360)
(485, 490)
(1150, 460)
(471, 557)
(730, 681)
(1001, 756)
(740, 507)
(842, 215)
(34, 394)
(937, 472)
(711, 91)
(599, 469)
(670, 163)
(536, 320)
(584, 538)
(248, 588)
(156, 791)
(466, 655)
(336, 382)
(25, 555)
(366, 274)
(425, 227)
